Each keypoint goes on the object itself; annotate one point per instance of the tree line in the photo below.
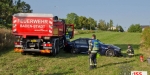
(10, 7)
(91, 24)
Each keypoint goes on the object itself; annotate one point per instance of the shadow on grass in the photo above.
(5, 50)
(62, 54)
(135, 55)
(64, 73)
(124, 46)
(110, 64)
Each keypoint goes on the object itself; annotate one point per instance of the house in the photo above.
(143, 26)
(83, 28)
(112, 28)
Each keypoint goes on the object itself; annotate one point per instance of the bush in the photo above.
(135, 28)
(84, 31)
(145, 41)
(6, 39)
(146, 37)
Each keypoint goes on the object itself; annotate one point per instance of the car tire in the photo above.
(74, 51)
(110, 53)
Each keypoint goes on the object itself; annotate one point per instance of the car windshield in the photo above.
(100, 42)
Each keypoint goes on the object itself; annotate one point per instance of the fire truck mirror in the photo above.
(55, 17)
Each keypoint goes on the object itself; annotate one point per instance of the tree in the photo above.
(72, 18)
(135, 28)
(8, 8)
(82, 21)
(107, 25)
(145, 41)
(102, 25)
(23, 7)
(110, 24)
(91, 23)
(120, 28)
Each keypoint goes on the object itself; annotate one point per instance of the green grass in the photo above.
(70, 64)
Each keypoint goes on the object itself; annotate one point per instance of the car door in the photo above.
(83, 45)
(77, 43)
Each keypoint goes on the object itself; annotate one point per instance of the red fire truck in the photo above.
(37, 32)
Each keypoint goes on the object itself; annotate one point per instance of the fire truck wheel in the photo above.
(53, 52)
(54, 49)
(57, 46)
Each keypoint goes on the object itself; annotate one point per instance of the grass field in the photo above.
(68, 64)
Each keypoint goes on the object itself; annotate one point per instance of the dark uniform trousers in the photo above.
(93, 61)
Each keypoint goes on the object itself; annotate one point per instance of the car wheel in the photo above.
(110, 53)
(74, 51)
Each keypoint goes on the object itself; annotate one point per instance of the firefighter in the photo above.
(67, 35)
(93, 50)
(130, 51)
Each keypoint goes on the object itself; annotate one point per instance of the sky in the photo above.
(122, 12)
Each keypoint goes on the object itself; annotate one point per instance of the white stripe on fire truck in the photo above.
(50, 31)
(50, 27)
(50, 22)
(14, 21)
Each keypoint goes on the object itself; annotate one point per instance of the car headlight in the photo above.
(104, 47)
(116, 49)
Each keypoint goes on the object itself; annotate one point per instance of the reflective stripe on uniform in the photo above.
(67, 33)
(94, 51)
(95, 48)
(91, 62)
(67, 36)
(90, 45)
